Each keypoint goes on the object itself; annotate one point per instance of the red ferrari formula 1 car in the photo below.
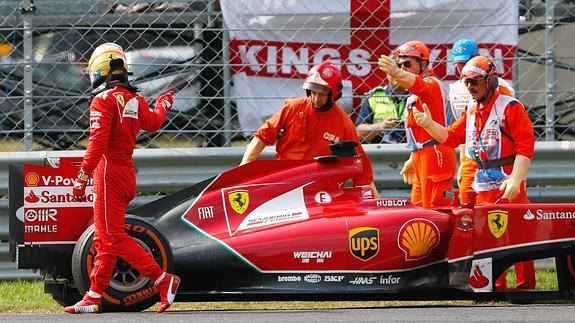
(288, 230)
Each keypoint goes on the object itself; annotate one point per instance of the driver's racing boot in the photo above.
(85, 305)
(167, 288)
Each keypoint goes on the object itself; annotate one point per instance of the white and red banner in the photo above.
(274, 43)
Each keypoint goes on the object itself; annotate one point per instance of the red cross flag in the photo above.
(274, 43)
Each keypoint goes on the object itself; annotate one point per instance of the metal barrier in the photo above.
(168, 170)
(551, 176)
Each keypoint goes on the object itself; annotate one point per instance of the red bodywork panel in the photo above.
(505, 225)
(313, 223)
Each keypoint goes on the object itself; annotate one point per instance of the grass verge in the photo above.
(26, 297)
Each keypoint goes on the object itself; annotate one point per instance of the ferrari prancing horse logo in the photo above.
(497, 222)
(239, 200)
(120, 99)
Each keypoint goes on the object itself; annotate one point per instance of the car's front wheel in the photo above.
(129, 291)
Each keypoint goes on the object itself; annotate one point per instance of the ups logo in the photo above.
(364, 242)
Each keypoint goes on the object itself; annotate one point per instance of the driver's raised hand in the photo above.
(166, 100)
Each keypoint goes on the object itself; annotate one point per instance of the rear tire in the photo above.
(129, 291)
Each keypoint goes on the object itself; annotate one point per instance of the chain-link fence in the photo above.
(232, 63)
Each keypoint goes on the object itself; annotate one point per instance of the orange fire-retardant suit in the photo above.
(431, 167)
(302, 133)
(495, 133)
(305, 127)
(468, 166)
(434, 164)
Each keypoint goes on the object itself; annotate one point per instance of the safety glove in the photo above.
(166, 100)
(80, 183)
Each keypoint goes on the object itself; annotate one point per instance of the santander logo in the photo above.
(61, 197)
(477, 279)
(32, 198)
(529, 215)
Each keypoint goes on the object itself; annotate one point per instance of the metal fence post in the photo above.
(27, 9)
(227, 76)
(549, 71)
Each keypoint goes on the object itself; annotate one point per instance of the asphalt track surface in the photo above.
(509, 313)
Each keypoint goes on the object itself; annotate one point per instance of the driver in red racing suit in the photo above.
(117, 113)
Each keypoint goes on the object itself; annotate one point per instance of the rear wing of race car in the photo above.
(44, 218)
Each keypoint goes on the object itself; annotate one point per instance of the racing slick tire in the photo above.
(129, 291)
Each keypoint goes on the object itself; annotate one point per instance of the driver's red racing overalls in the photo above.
(116, 117)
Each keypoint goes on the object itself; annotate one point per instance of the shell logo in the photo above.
(417, 238)
(32, 179)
